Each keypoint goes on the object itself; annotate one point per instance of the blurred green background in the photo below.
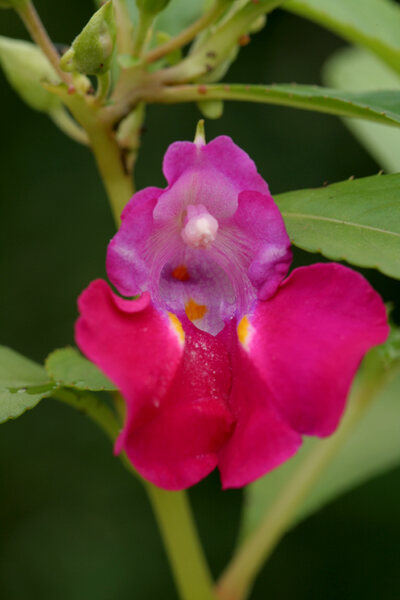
(73, 524)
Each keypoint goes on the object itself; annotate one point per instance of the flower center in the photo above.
(200, 228)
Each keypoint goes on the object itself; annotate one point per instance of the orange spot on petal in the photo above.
(243, 331)
(181, 273)
(195, 311)
(177, 327)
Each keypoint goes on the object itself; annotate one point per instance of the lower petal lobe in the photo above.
(308, 340)
(262, 439)
(175, 384)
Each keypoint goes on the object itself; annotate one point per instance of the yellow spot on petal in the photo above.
(177, 326)
(181, 273)
(195, 311)
(243, 330)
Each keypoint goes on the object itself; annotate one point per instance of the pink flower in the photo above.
(221, 361)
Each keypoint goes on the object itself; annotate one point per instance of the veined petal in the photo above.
(262, 228)
(223, 155)
(127, 256)
(216, 222)
(175, 382)
(308, 340)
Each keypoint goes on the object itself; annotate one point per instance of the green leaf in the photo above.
(177, 16)
(180, 14)
(380, 106)
(374, 24)
(355, 69)
(70, 369)
(371, 449)
(23, 384)
(357, 221)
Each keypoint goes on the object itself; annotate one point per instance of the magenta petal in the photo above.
(308, 340)
(176, 394)
(180, 445)
(263, 232)
(235, 164)
(127, 265)
(222, 154)
(133, 344)
(261, 440)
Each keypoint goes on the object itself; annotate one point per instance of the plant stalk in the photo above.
(182, 544)
(38, 33)
(141, 33)
(109, 157)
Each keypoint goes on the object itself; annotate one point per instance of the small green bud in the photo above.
(25, 66)
(91, 51)
(152, 7)
(211, 109)
(258, 24)
(12, 3)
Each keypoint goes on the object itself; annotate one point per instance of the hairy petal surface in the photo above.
(307, 342)
(175, 384)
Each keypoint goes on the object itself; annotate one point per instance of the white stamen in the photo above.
(200, 230)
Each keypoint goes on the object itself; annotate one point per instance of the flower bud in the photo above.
(211, 109)
(12, 3)
(152, 7)
(91, 51)
(25, 66)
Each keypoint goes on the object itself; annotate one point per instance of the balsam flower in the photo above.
(222, 362)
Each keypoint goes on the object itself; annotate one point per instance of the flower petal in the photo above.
(176, 391)
(180, 445)
(222, 154)
(204, 293)
(261, 227)
(127, 252)
(261, 440)
(308, 340)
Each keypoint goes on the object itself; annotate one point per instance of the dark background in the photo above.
(73, 524)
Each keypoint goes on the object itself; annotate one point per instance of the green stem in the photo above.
(103, 86)
(38, 33)
(182, 544)
(117, 181)
(145, 22)
(110, 161)
(188, 34)
(295, 96)
(124, 27)
(237, 580)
